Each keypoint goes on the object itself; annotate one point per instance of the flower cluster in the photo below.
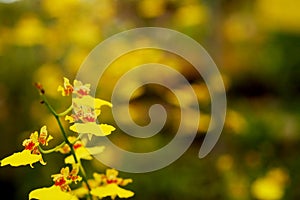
(106, 185)
(65, 178)
(86, 109)
(83, 120)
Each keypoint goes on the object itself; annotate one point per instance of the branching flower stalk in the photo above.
(57, 117)
(83, 121)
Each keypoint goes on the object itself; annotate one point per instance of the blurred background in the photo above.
(255, 44)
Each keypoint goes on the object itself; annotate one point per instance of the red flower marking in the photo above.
(89, 119)
(68, 89)
(29, 146)
(82, 92)
(108, 181)
(77, 145)
(60, 181)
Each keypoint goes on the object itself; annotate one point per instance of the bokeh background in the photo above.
(255, 44)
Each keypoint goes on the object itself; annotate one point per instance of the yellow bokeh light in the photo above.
(225, 162)
(279, 15)
(29, 31)
(191, 15)
(150, 8)
(50, 83)
(271, 186)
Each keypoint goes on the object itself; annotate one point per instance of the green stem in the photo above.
(67, 140)
(51, 150)
(65, 112)
(85, 179)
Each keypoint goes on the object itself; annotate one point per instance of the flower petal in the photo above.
(91, 102)
(69, 118)
(93, 128)
(67, 89)
(21, 158)
(84, 153)
(111, 190)
(50, 193)
(81, 192)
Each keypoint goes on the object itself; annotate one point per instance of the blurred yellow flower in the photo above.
(84, 33)
(57, 8)
(29, 31)
(225, 162)
(235, 122)
(49, 82)
(150, 8)
(239, 27)
(271, 186)
(191, 15)
(279, 15)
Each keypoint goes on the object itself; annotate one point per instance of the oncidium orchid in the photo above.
(83, 120)
(31, 153)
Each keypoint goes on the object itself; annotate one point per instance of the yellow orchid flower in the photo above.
(65, 178)
(77, 88)
(50, 193)
(111, 176)
(109, 185)
(111, 190)
(24, 157)
(83, 114)
(105, 185)
(44, 138)
(67, 89)
(31, 153)
(92, 128)
(80, 89)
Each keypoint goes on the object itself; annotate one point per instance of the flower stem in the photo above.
(65, 112)
(56, 115)
(51, 150)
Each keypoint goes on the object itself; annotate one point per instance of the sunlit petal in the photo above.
(50, 193)
(21, 158)
(111, 190)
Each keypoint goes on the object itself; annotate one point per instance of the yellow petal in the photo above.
(21, 158)
(66, 85)
(125, 181)
(266, 188)
(84, 153)
(61, 89)
(81, 192)
(91, 102)
(97, 112)
(112, 173)
(78, 84)
(69, 118)
(50, 193)
(66, 82)
(111, 190)
(92, 128)
(95, 150)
